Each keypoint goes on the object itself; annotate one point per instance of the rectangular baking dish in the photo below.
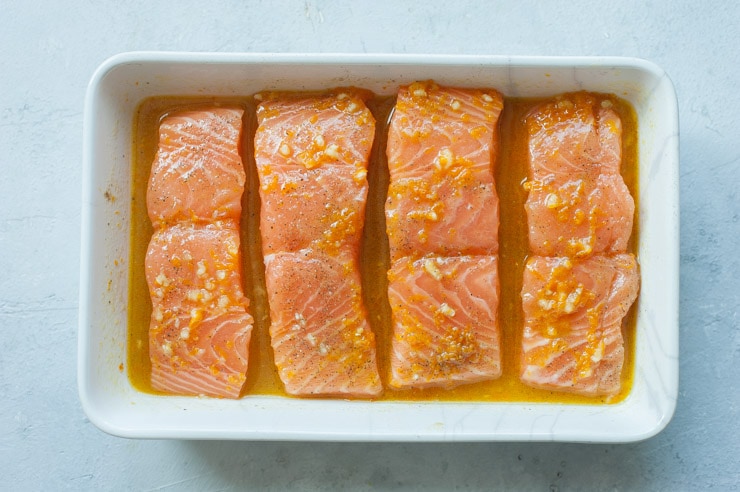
(112, 404)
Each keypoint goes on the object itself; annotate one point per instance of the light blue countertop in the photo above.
(48, 52)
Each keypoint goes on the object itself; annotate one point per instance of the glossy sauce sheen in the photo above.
(511, 171)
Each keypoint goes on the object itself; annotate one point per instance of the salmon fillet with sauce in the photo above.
(312, 154)
(442, 224)
(573, 312)
(442, 145)
(320, 335)
(578, 203)
(445, 320)
(580, 215)
(197, 173)
(200, 326)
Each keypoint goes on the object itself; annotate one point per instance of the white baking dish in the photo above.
(112, 404)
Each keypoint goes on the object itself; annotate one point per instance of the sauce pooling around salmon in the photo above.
(262, 377)
(442, 223)
(200, 325)
(312, 155)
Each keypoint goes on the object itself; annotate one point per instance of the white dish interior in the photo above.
(112, 404)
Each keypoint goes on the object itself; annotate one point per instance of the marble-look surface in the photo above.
(48, 52)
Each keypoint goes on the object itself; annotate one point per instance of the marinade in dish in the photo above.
(510, 172)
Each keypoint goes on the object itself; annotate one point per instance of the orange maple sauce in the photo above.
(510, 172)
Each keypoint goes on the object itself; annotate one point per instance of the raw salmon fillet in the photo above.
(312, 154)
(445, 320)
(441, 153)
(200, 329)
(201, 326)
(578, 203)
(442, 224)
(580, 215)
(573, 312)
(197, 173)
(322, 341)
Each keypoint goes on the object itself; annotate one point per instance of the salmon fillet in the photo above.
(312, 154)
(200, 326)
(573, 312)
(197, 173)
(441, 152)
(322, 341)
(578, 203)
(442, 225)
(580, 214)
(445, 320)
(200, 329)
